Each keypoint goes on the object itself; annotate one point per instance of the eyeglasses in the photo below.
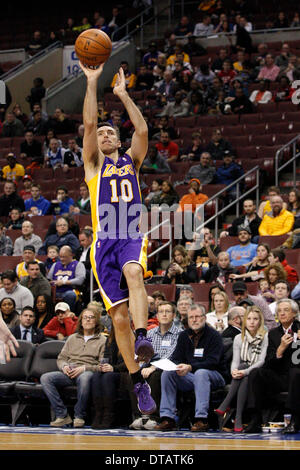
(89, 317)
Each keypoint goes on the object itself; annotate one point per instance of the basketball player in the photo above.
(8, 339)
(118, 254)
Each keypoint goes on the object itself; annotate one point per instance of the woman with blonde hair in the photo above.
(181, 270)
(249, 352)
(218, 318)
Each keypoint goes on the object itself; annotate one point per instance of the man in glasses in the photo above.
(77, 361)
(199, 356)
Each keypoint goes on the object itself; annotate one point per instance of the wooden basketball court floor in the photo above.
(46, 438)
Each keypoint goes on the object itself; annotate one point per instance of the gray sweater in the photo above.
(236, 358)
(21, 295)
(20, 242)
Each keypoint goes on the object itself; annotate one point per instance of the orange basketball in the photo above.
(93, 47)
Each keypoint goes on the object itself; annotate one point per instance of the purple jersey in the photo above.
(119, 199)
(62, 272)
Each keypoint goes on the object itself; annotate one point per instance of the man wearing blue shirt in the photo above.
(244, 252)
(37, 201)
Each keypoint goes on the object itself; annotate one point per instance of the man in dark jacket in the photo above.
(218, 145)
(228, 173)
(63, 236)
(250, 218)
(280, 372)
(235, 319)
(199, 356)
(10, 199)
(25, 330)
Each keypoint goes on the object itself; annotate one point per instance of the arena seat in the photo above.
(13, 234)
(292, 255)
(265, 139)
(41, 222)
(188, 121)
(227, 242)
(168, 289)
(9, 262)
(266, 107)
(201, 292)
(273, 241)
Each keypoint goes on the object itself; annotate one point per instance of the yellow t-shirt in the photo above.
(11, 174)
(130, 80)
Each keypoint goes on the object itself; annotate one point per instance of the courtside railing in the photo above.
(240, 195)
(279, 166)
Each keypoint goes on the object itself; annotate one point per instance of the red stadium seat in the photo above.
(265, 139)
(168, 289)
(201, 291)
(227, 242)
(267, 107)
(188, 121)
(287, 106)
(292, 256)
(13, 234)
(41, 221)
(9, 262)
(273, 241)
(255, 129)
(250, 118)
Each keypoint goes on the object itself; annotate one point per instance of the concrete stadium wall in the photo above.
(20, 84)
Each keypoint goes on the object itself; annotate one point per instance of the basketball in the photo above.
(93, 47)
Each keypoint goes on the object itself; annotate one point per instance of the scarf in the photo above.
(251, 348)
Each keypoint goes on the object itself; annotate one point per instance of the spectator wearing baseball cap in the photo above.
(245, 251)
(63, 324)
(25, 193)
(240, 294)
(28, 255)
(229, 172)
(193, 198)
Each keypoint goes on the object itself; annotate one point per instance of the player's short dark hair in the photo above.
(108, 124)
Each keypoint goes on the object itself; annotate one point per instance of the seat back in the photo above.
(168, 289)
(45, 357)
(18, 367)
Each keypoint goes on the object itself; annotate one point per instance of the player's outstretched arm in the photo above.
(91, 153)
(8, 339)
(139, 143)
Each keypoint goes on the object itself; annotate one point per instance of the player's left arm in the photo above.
(139, 142)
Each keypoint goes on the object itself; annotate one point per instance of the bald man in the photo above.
(67, 274)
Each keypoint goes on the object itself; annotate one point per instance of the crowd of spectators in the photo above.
(48, 299)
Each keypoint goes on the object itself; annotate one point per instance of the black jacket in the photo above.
(230, 332)
(213, 351)
(254, 225)
(190, 275)
(212, 273)
(7, 203)
(283, 365)
(38, 336)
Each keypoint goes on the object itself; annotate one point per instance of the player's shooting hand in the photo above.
(120, 86)
(91, 73)
(10, 342)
